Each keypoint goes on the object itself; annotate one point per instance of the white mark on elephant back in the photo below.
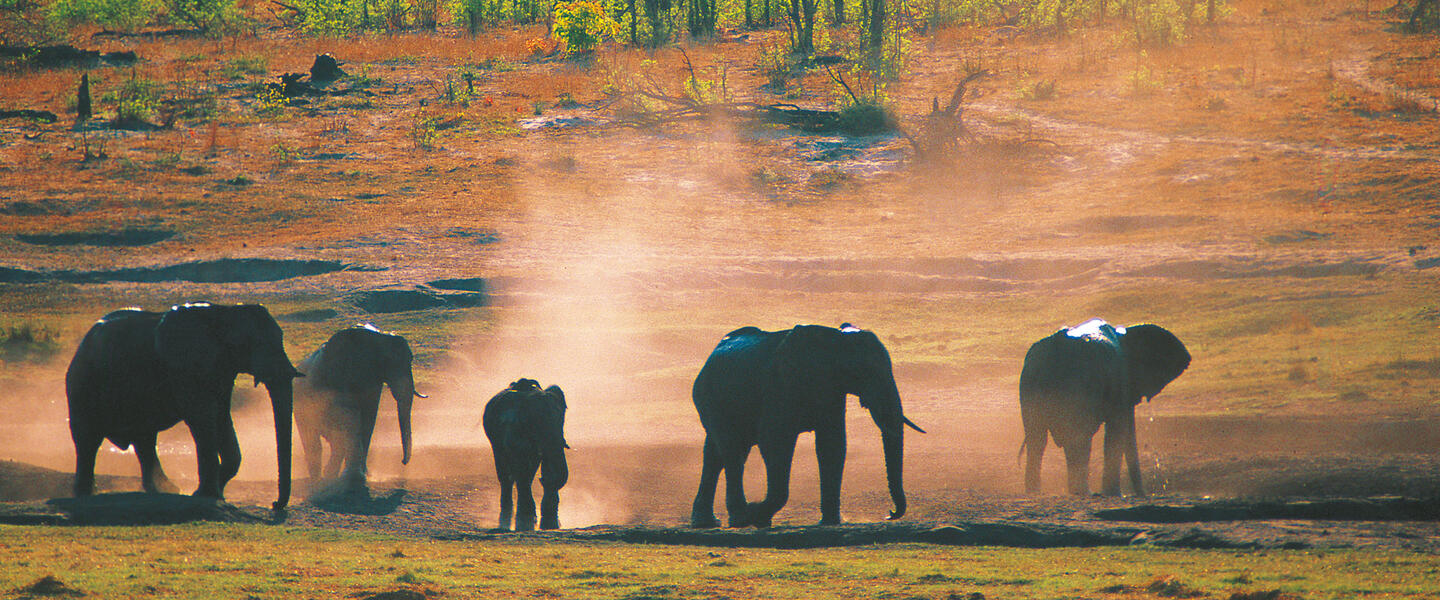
(1093, 329)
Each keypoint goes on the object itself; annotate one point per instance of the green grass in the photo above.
(253, 561)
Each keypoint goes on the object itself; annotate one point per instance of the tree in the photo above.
(875, 27)
(802, 14)
(655, 11)
(700, 17)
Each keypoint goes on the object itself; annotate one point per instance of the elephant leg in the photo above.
(86, 445)
(1114, 452)
(355, 463)
(549, 506)
(778, 453)
(1077, 463)
(152, 476)
(207, 455)
(1034, 456)
(733, 462)
(702, 513)
(525, 499)
(229, 449)
(1036, 434)
(311, 444)
(339, 449)
(830, 456)
(507, 487)
(1132, 455)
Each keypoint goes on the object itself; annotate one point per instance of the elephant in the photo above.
(1081, 377)
(765, 388)
(341, 396)
(526, 429)
(137, 373)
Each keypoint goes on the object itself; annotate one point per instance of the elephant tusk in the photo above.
(906, 420)
(420, 395)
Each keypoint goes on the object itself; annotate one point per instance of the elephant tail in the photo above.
(1020, 457)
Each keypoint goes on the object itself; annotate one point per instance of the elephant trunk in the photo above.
(554, 471)
(282, 400)
(405, 395)
(893, 440)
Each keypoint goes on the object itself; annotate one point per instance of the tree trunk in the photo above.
(877, 25)
(839, 12)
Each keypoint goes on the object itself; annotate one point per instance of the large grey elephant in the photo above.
(765, 388)
(340, 398)
(526, 428)
(1090, 375)
(137, 373)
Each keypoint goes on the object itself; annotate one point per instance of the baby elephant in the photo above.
(341, 397)
(526, 427)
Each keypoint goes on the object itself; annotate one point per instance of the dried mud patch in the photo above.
(1328, 509)
(121, 237)
(128, 508)
(225, 270)
(396, 300)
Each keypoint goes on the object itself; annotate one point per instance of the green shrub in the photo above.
(112, 14)
(136, 100)
(583, 25)
(205, 15)
(867, 115)
(28, 342)
(331, 17)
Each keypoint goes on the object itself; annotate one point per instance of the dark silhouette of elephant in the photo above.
(765, 388)
(1090, 375)
(137, 373)
(340, 397)
(526, 428)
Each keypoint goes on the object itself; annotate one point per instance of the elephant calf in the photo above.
(1090, 375)
(341, 396)
(526, 428)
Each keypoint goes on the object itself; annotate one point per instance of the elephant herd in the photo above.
(137, 373)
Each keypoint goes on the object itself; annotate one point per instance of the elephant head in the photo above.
(546, 410)
(1154, 357)
(854, 361)
(363, 355)
(205, 339)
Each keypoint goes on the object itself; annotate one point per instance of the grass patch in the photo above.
(221, 560)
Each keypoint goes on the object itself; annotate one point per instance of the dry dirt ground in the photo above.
(1269, 190)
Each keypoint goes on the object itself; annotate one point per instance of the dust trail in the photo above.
(1151, 141)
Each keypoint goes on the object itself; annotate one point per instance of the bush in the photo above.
(28, 342)
(330, 17)
(136, 100)
(867, 115)
(583, 25)
(113, 14)
(205, 15)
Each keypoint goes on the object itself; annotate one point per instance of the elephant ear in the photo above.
(188, 337)
(344, 359)
(1154, 356)
(806, 357)
(559, 396)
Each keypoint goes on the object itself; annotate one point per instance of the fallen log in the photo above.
(64, 56)
(44, 116)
